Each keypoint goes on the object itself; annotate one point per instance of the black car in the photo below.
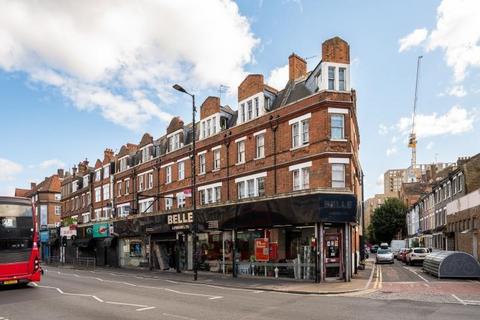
(374, 249)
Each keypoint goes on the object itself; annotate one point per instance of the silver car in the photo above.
(384, 256)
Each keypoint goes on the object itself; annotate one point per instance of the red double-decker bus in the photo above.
(19, 262)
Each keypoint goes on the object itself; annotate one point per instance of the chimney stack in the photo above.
(33, 185)
(74, 171)
(108, 153)
(297, 67)
(60, 173)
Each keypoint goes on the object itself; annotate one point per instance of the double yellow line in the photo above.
(378, 278)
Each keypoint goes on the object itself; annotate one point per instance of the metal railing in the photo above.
(88, 263)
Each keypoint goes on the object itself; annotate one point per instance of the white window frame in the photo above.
(300, 170)
(106, 192)
(168, 174)
(119, 188)
(98, 194)
(332, 117)
(297, 131)
(240, 150)
(106, 171)
(127, 186)
(216, 159)
(181, 200)
(168, 201)
(202, 168)
(181, 170)
(150, 179)
(260, 147)
(336, 168)
(244, 182)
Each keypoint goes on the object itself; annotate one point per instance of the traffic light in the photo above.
(64, 241)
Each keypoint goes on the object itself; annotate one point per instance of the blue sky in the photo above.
(74, 81)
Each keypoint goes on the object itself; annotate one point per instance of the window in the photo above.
(301, 178)
(181, 170)
(123, 164)
(249, 110)
(337, 125)
(168, 174)
(98, 194)
(201, 194)
(85, 180)
(257, 107)
(89, 198)
(58, 210)
(174, 142)
(180, 200)
(74, 186)
(241, 190)
(242, 111)
(218, 194)
(106, 172)
(216, 159)
(331, 78)
(141, 185)
(248, 187)
(106, 192)
(209, 196)
(145, 154)
(146, 206)
(119, 188)
(241, 152)
(98, 214)
(260, 146)
(208, 128)
(86, 217)
(201, 163)
(214, 125)
(98, 175)
(127, 186)
(204, 129)
(338, 175)
(168, 202)
(150, 180)
(58, 196)
(341, 79)
(123, 211)
(300, 133)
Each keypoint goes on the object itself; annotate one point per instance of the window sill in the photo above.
(201, 174)
(299, 147)
(215, 170)
(339, 140)
(239, 163)
(259, 158)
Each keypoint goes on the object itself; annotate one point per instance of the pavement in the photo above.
(395, 291)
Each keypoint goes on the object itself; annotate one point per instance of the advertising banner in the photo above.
(101, 230)
(44, 236)
(68, 231)
(262, 250)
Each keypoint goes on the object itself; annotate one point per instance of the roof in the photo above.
(25, 193)
(50, 184)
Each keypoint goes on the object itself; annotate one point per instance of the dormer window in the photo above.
(341, 79)
(209, 126)
(337, 77)
(123, 164)
(146, 155)
(253, 107)
(174, 142)
(331, 78)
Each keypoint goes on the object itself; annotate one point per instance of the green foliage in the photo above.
(415, 243)
(388, 220)
(68, 221)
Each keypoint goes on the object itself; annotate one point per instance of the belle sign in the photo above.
(180, 218)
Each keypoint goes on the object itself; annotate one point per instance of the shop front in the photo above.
(309, 237)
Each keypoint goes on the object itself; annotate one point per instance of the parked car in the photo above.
(384, 245)
(403, 254)
(398, 254)
(384, 256)
(416, 255)
(374, 248)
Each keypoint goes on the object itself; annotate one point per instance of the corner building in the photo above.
(278, 181)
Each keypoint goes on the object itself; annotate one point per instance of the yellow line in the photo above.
(376, 278)
(381, 278)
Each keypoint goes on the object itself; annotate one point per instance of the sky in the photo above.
(77, 77)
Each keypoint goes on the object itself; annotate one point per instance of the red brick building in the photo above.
(282, 171)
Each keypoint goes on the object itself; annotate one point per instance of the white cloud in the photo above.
(391, 151)
(458, 33)
(98, 54)
(51, 163)
(457, 91)
(278, 77)
(9, 169)
(430, 145)
(413, 39)
(382, 129)
(455, 121)
(380, 180)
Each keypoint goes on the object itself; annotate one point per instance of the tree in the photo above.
(388, 220)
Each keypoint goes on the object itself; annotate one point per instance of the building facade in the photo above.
(427, 218)
(278, 182)
(46, 198)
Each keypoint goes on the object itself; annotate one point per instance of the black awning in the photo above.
(106, 242)
(83, 243)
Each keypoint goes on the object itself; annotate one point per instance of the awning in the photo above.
(106, 242)
(83, 243)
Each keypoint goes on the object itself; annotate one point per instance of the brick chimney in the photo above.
(210, 106)
(336, 50)
(74, 171)
(297, 67)
(33, 185)
(60, 173)
(108, 153)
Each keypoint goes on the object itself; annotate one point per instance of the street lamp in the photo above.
(194, 222)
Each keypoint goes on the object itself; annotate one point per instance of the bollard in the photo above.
(276, 272)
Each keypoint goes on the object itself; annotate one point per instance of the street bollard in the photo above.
(276, 272)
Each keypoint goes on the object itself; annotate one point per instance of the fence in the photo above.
(87, 263)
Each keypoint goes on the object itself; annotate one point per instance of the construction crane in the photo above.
(412, 141)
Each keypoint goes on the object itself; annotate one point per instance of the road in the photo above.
(103, 294)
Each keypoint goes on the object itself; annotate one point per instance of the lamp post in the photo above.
(194, 207)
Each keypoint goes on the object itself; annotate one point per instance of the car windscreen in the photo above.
(420, 250)
(384, 251)
(16, 227)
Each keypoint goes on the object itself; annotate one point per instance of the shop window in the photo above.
(135, 249)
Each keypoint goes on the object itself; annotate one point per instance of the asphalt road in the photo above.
(73, 294)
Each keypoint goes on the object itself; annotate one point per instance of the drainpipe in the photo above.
(226, 142)
(274, 127)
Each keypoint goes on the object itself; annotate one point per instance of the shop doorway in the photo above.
(170, 253)
(332, 247)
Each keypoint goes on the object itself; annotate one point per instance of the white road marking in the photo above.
(459, 300)
(177, 316)
(416, 273)
(143, 309)
(141, 306)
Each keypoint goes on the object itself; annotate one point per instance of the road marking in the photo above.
(381, 278)
(414, 272)
(143, 309)
(177, 316)
(141, 306)
(459, 300)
